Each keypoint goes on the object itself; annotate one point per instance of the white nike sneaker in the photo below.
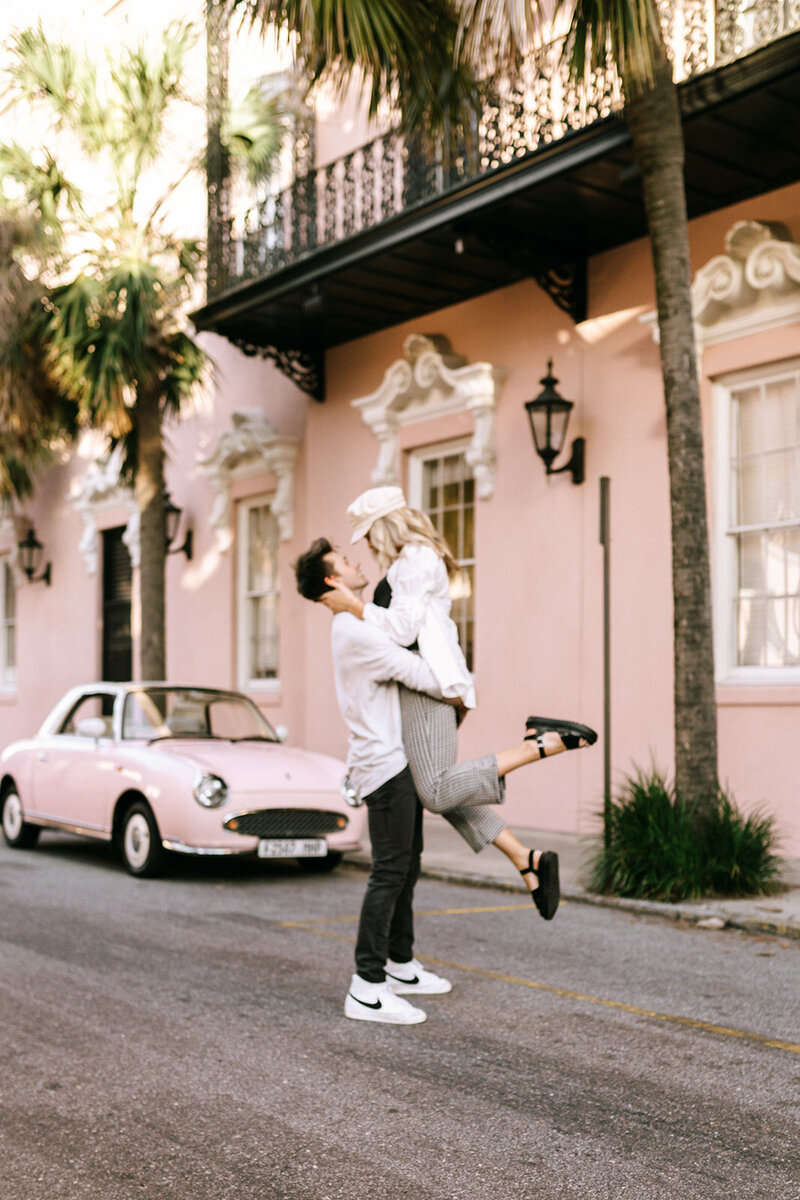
(411, 978)
(377, 1002)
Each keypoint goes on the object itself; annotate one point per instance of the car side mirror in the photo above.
(282, 732)
(92, 727)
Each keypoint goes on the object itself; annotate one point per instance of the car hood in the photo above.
(258, 766)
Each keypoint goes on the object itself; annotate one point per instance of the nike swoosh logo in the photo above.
(398, 979)
(366, 1003)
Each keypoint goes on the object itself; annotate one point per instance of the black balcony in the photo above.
(398, 229)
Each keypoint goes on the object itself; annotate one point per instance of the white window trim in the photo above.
(421, 454)
(431, 381)
(246, 683)
(725, 563)
(248, 447)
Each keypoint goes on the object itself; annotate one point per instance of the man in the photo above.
(367, 667)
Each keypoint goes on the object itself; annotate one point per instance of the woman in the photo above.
(413, 607)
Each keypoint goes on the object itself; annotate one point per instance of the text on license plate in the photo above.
(292, 848)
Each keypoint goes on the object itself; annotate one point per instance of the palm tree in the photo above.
(110, 321)
(34, 419)
(405, 48)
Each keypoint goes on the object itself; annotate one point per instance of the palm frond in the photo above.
(403, 50)
(148, 79)
(625, 32)
(39, 184)
(497, 34)
(254, 132)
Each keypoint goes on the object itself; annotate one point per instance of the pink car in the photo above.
(155, 767)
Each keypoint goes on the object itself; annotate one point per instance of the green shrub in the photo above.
(659, 847)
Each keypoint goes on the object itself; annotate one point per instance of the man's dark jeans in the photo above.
(386, 927)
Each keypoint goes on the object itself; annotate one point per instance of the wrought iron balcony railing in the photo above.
(391, 174)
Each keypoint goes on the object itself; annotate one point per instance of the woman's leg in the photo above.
(431, 744)
(430, 738)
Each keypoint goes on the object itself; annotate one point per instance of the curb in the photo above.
(718, 918)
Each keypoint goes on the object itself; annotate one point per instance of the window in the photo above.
(259, 595)
(759, 526)
(8, 626)
(442, 485)
(98, 704)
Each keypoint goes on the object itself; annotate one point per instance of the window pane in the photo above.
(10, 594)
(779, 414)
(263, 542)
(450, 527)
(751, 563)
(765, 489)
(748, 427)
(430, 472)
(8, 630)
(751, 502)
(260, 604)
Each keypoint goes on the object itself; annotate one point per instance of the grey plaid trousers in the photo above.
(461, 792)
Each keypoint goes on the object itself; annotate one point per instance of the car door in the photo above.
(74, 774)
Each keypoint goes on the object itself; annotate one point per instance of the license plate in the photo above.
(292, 848)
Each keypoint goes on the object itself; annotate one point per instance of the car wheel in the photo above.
(321, 866)
(142, 852)
(16, 831)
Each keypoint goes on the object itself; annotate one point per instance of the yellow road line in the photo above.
(585, 998)
(425, 912)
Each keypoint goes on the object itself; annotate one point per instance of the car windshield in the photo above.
(161, 712)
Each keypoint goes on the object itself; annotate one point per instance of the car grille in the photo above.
(287, 822)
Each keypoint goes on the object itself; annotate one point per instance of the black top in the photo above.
(382, 598)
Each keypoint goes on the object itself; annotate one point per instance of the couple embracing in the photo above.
(403, 687)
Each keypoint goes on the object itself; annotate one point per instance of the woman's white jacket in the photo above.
(420, 612)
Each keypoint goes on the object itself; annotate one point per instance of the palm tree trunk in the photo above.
(152, 534)
(653, 117)
(218, 180)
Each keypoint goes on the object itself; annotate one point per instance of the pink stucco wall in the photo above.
(539, 562)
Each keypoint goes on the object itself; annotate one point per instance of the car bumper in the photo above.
(249, 845)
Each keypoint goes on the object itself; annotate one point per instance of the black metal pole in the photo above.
(605, 541)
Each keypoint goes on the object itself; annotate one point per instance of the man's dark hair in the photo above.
(311, 568)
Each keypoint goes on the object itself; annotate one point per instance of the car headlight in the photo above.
(210, 791)
(349, 793)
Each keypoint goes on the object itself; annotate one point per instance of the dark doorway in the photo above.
(117, 590)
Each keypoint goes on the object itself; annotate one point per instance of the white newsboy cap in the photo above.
(369, 506)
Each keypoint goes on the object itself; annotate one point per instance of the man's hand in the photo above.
(341, 599)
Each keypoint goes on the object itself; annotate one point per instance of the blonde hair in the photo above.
(388, 535)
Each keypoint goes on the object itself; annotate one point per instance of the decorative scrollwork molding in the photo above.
(430, 380)
(753, 286)
(251, 443)
(101, 489)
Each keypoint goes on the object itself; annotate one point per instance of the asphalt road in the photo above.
(184, 1038)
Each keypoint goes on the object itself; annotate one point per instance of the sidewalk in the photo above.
(447, 856)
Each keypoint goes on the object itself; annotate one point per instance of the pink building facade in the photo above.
(435, 402)
(259, 470)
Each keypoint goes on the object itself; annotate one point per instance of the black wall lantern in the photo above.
(30, 558)
(549, 417)
(172, 520)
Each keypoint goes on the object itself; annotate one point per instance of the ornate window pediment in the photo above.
(431, 381)
(101, 489)
(251, 444)
(754, 285)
